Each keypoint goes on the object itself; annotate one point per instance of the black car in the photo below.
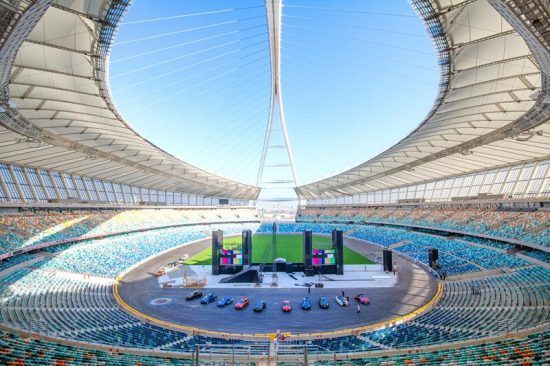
(260, 306)
(193, 295)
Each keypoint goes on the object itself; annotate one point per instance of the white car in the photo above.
(342, 301)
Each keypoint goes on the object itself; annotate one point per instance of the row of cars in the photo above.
(261, 305)
(324, 303)
(243, 302)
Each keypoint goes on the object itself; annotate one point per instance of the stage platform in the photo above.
(362, 276)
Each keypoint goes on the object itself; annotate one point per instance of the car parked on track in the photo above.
(286, 307)
(306, 303)
(226, 300)
(323, 302)
(193, 295)
(260, 306)
(342, 301)
(362, 298)
(208, 298)
(242, 303)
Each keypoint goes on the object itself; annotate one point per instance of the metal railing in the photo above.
(267, 353)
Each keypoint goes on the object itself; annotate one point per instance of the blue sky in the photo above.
(357, 76)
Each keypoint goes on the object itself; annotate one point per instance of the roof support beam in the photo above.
(67, 49)
(51, 71)
(483, 39)
(80, 14)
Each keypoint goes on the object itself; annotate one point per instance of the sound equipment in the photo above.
(309, 272)
(247, 247)
(433, 258)
(338, 246)
(308, 247)
(217, 242)
(388, 262)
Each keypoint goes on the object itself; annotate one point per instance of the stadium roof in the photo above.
(493, 107)
(56, 108)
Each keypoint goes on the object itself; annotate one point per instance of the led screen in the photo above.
(324, 257)
(231, 257)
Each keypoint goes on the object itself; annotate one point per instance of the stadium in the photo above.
(431, 249)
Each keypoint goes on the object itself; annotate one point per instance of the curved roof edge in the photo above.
(117, 152)
(493, 92)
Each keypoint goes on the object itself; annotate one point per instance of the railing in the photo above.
(272, 352)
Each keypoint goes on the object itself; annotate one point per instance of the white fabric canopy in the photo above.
(57, 112)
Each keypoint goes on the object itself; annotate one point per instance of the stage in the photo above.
(355, 276)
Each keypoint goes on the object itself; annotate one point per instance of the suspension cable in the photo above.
(175, 71)
(176, 104)
(385, 58)
(182, 80)
(185, 56)
(350, 11)
(356, 26)
(286, 32)
(185, 30)
(191, 15)
(177, 45)
(386, 71)
(212, 96)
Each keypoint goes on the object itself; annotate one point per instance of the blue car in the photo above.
(208, 298)
(260, 306)
(226, 300)
(306, 303)
(323, 302)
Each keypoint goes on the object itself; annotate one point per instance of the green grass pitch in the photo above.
(288, 246)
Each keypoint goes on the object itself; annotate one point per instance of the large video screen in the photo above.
(324, 257)
(231, 257)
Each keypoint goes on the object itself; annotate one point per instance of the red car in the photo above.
(286, 307)
(242, 303)
(362, 298)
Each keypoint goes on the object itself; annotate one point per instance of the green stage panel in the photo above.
(288, 246)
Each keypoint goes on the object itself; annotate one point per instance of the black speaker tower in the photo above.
(217, 243)
(247, 247)
(308, 247)
(388, 262)
(338, 246)
(433, 258)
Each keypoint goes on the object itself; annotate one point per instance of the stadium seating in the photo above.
(531, 350)
(82, 309)
(16, 351)
(527, 226)
(97, 257)
(538, 254)
(456, 256)
(66, 304)
(56, 297)
(31, 228)
(501, 304)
